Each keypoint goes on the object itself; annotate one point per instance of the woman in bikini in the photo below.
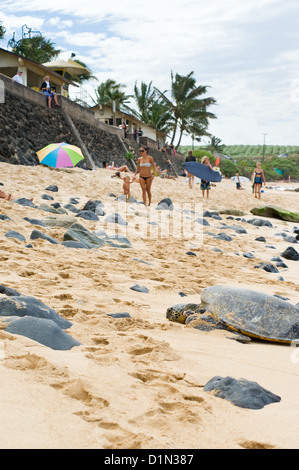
(144, 165)
(258, 177)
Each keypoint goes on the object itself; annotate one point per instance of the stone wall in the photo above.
(27, 125)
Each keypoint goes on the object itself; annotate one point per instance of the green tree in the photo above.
(2, 31)
(187, 106)
(144, 97)
(83, 77)
(110, 91)
(36, 48)
(228, 168)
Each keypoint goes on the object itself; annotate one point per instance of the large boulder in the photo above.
(276, 213)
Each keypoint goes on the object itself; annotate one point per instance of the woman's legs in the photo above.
(143, 187)
(148, 185)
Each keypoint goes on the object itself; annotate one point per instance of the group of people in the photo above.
(45, 87)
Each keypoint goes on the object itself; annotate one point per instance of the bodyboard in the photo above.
(203, 172)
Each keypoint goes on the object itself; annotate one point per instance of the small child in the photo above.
(126, 187)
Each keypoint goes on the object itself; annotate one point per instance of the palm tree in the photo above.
(2, 30)
(145, 97)
(109, 92)
(83, 77)
(36, 48)
(187, 105)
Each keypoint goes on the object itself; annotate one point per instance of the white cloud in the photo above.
(246, 52)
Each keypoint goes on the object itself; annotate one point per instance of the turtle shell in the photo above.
(253, 313)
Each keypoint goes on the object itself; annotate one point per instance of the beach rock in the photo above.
(115, 219)
(8, 291)
(276, 212)
(71, 208)
(100, 211)
(202, 222)
(22, 305)
(212, 214)
(73, 200)
(43, 331)
(80, 234)
(138, 288)
(35, 222)
(119, 315)
(291, 254)
(248, 255)
(190, 253)
(48, 197)
(36, 234)
(235, 212)
(64, 221)
(75, 244)
(92, 205)
(118, 242)
(47, 208)
(260, 239)
(52, 188)
(165, 204)
(242, 393)
(260, 223)
(4, 217)
(87, 215)
(17, 235)
(223, 236)
(25, 202)
(56, 205)
(268, 267)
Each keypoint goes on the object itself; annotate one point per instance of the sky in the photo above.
(246, 53)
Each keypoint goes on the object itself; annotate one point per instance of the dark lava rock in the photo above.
(119, 315)
(52, 188)
(138, 288)
(24, 202)
(270, 268)
(36, 234)
(290, 253)
(77, 232)
(35, 222)
(17, 235)
(45, 332)
(8, 291)
(260, 239)
(22, 305)
(242, 393)
(87, 215)
(48, 197)
(165, 204)
(4, 217)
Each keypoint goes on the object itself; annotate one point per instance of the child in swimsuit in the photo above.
(205, 185)
(126, 187)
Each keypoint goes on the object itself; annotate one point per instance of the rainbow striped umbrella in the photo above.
(60, 155)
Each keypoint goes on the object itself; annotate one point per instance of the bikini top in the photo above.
(145, 164)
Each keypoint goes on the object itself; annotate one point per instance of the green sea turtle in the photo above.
(248, 312)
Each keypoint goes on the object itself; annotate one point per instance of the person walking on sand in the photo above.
(205, 185)
(190, 158)
(144, 165)
(258, 177)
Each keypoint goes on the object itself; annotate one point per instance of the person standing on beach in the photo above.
(258, 177)
(144, 165)
(190, 158)
(205, 185)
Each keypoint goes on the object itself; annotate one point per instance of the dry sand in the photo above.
(138, 383)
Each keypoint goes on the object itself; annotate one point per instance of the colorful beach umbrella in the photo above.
(60, 155)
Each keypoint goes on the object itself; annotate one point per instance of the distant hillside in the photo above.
(252, 151)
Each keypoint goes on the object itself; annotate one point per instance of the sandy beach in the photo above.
(137, 383)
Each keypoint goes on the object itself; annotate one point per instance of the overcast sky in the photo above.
(246, 52)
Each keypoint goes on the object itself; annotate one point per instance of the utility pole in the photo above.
(264, 146)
